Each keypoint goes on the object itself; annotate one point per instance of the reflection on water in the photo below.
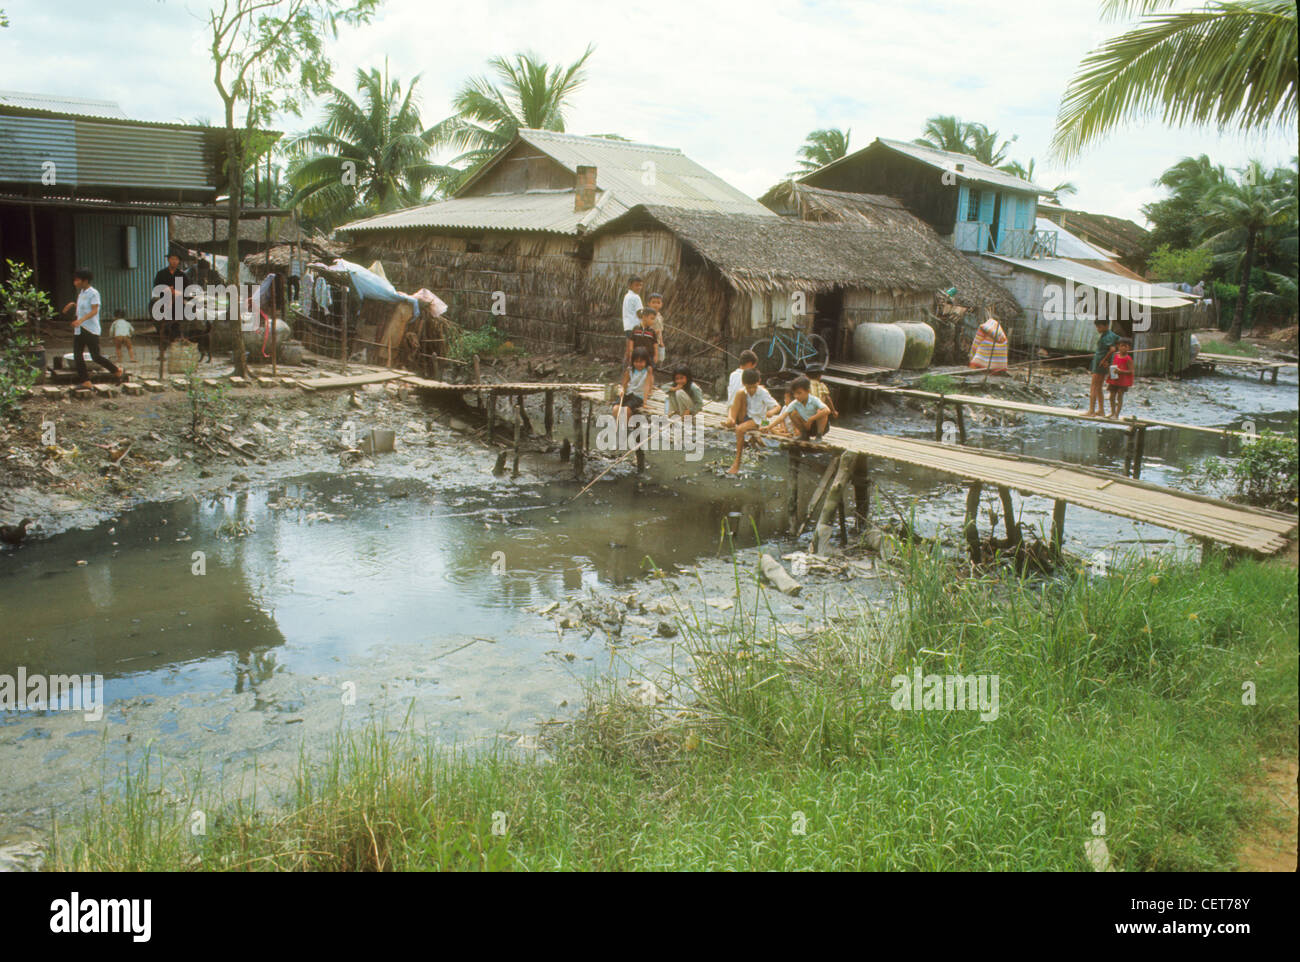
(222, 593)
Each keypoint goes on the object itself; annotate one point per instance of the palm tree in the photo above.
(1176, 219)
(1240, 213)
(369, 154)
(525, 93)
(944, 132)
(1027, 173)
(820, 148)
(1231, 64)
(985, 147)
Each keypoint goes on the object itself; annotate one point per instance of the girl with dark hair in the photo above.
(684, 395)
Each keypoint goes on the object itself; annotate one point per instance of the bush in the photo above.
(22, 307)
(1266, 473)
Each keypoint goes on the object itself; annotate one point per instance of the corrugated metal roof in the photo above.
(54, 103)
(550, 210)
(972, 169)
(1138, 292)
(1067, 245)
(627, 174)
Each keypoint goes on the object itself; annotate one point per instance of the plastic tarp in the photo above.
(368, 285)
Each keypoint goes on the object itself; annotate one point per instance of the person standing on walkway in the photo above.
(1106, 341)
(86, 326)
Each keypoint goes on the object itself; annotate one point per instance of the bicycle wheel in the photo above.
(771, 356)
(821, 354)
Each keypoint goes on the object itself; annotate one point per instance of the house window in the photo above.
(973, 205)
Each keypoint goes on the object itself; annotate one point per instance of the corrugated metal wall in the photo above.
(98, 243)
(88, 153)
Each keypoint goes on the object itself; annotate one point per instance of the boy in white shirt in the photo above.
(748, 361)
(86, 327)
(122, 331)
(632, 305)
(807, 414)
(749, 408)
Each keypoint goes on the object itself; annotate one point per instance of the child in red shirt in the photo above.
(1121, 375)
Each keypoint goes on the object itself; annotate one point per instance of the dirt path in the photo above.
(1273, 845)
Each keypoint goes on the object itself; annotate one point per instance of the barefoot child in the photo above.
(748, 361)
(1121, 375)
(122, 331)
(808, 416)
(751, 407)
(638, 384)
(1106, 340)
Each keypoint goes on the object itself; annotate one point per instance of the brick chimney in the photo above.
(584, 193)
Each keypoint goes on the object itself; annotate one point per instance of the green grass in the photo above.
(937, 383)
(1120, 695)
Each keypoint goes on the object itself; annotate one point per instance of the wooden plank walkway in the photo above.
(1251, 529)
(859, 371)
(1263, 365)
(520, 387)
(1024, 407)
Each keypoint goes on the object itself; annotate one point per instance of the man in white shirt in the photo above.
(632, 305)
(86, 326)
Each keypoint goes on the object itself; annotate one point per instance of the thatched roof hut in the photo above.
(891, 247)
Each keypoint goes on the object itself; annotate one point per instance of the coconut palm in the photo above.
(1176, 219)
(1027, 173)
(1227, 64)
(370, 153)
(944, 132)
(820, 148)
(1238, 215)
(525, 92)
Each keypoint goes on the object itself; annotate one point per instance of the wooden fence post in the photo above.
(971, 526)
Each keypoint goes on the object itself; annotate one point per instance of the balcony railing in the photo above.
(974, 236)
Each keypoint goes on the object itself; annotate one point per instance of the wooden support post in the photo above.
(586, 445)
(1058, 528)
(961, 425)
(1130, 445)
(491, 414)
(938, 421)
(792, 491)
(1009, 516)
(819, 492)
(971, 526)
(550, 413)
(861, 495)
(523, 415)
(834, 498)
(575, 403)
(1139, 447)
(844, 528)
(343, 329)
(1274, 378)
(519, 426)
(478, 380)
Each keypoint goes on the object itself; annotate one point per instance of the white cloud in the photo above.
(735, 85)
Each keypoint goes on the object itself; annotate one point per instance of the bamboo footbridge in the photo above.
(1209, 520)
(1254, 530)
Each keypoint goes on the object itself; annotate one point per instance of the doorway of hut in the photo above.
(828, 314)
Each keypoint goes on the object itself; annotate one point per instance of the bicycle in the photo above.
(782, 352)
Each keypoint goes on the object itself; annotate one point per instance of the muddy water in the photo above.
(428, 601)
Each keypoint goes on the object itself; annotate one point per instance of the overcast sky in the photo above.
(736, 85)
